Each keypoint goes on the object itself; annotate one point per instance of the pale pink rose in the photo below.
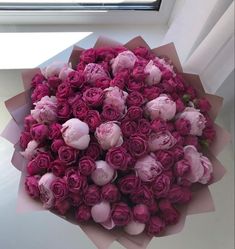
(108, 224)
(46, 194)
(103, 173)
(45, 110)
(125, 59)
(54, 69)
(134, 228)
(200, 166)
(109, 135)
(147, 168)
(31, 150)
(76, 133)
(196, 119)
(65, 71)
(94, 72)
(154, 74)
(116, 97)
(161, 107)
(101, 212)
(162, 140)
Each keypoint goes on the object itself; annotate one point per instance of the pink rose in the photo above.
(178, 152)
(168, 213)
(142, 52)
(139, 73)
(161, 185)
(203, 104)
(54, 82)
(88, 55)
(25, 138)
(147, 168)
(161, 107)
(196, 119)
(179, 195)
(155, 226)
(166, 158)
(128, 127)
(144, 127)
(80, 109)
(93, 119)
(76, 133)
(46, 194)
(142, 195)
(86, 165)
(181, 168)
(109, 135)
(118, 81)
(38, 78)
(179, 105)
(118, 158)
(56, 144)
(59, 188)
(39, 132)
(58, 168)
(134, 85)
(63, 110)
(75, 181)
(128, 184)
(62, 207)
(39, 92)
(67, 154)
(141, 213)
(102, 83)
(31, 186)
(135, 99)
(154, 74)
(93, 72)
(123, 60)
(151, 92)
(64, 91)
(116, 97)
(45, 110)
(110, 113)
(110, 193)
(29, 121)
(93, 150)
(93, 96)
(121, 214)
(183, 126)
(134, 113)
(92, 195)
(138, 146)
(55, 131)
(161, 141)
(158, 125)
(83, 213)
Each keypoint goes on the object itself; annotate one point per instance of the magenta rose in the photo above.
(134, 113)
(38, 78)
(135, 99)
(110, 193)
(86, 165)
(155, 226)
(83, 213)
(80, 109)
(121, 214)
(92, 195)
(39, 132)
(161, 185)
(139, 74)
(203, 104)
(75, 79)
(159, 125)
(39, 164)
(179, 139)
(31, 186)
(138, 146)
(153, 207)
(29, 121)
(129, 183)
(142, 195)
(54, 131)
(75, 181)
(110, 113)
(40, 91)
(128, 127)
(58, 168)
(93, 96)
(102, 83)
(62, 206)
(56, 144)
(183, 126)
(88, 55)
(191, 140)
(166, 158)
(118, 158)
(59, 188)
(141, 213)
(142, 52)
(25, 138)
(54, 82)
(118, 81)
(67, 154)
(168, 213)
(64, 90)
(209, 134)
(151, 92)
(179, 195)
(179, 105)
(181, 168)
(93, 150)
(135, 85)
(144, 127)
(63, 110)
(178, 152)
(93, 120)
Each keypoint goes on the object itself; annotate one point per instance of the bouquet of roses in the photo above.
(119, 137)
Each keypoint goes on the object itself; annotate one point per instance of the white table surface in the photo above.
(42, 230)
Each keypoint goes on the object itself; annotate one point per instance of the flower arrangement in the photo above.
(119, 137)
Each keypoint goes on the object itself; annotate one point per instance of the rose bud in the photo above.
(179, 195)
(154, 74)
(196, 119)
(31, 150)
(155, 226)
(39, 132)
(60, 189)
(134, 228)
(75, 181)
(93, 72)
(46, 194)
(166, 158)
(76, 133)
(83, 213)
(142, 195)
(183, 126)
(109, 135)
(124, 60)
(128, 184)
(110, 193)
(161, 107)
(45, 110)
(141, 213)
(29, 121)
(31, 186)
(103, 173)
(58, 168)
(138, 146)
(56, 144)
(25, 138)
(92, 195)
(62, 206)
(161, 141)
(39, 92)
(121, 214)
(86, 165)
(93, 120)
(67, 154)
(135, 99)
(169, 214)
(101, 212)
(161, 185)
(181, 168)
(147, 168)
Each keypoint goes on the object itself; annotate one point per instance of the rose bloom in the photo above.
(118, 81)
(110, 193)
(141, 213)
(60, 189)
(135, 99)
(203, 104)
(93, 119)
(128, 184)
(142, 195)
(134, 113)
(31, 186)
(64, 91)
(39, 132)
(93, 150)
(45, 110)
(93, 96)
(56, 144)
(62, 207)
(58, 168)
(128, 127)
(158, 125)
(110, 113)
(183, 126)
(138, 146)
(168, 213)
(54, 69)
(178, 152)
(39, 92)
(38, 78)
(161, 185)
(88, 55)
(166, 158)
(80, 109)
(86, 165)
(109, 135)
(93, 72)
(161, 107)
(92, 195)
(151, 92)
(31, 150)
(67, 154)
(54, 82)
(147, 168)
(63, 110)
(83, 213)
(179, 195)
(144, 127)
(135, 85)
(75, 181)
(181, 168)
(102, 83)
(29, 121)
(196, 120)
(121, 214)
(153, 74)
(155, 226)
(55, 131)
(25, 138)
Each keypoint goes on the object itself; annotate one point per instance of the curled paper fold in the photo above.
(19, 106)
